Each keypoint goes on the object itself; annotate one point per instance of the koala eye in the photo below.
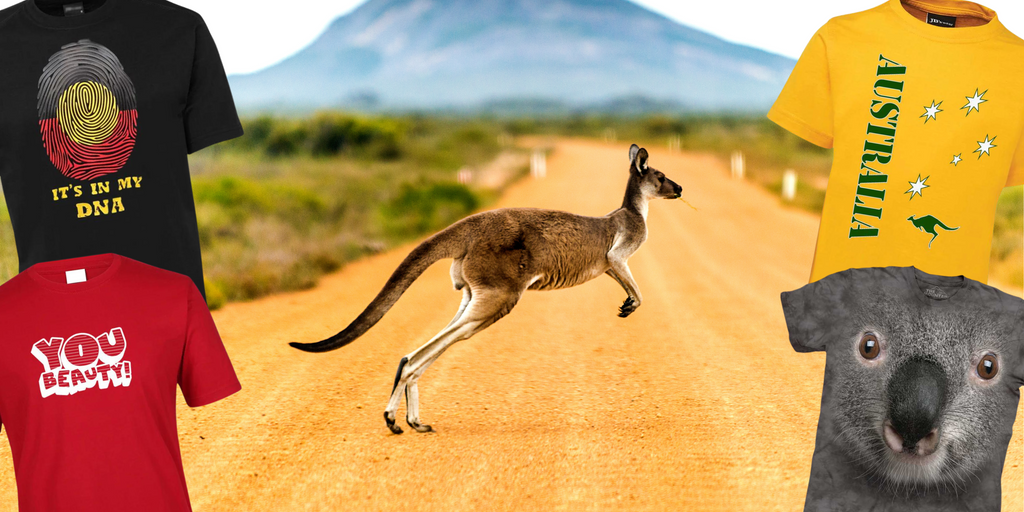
(869, 346)
(988, 367)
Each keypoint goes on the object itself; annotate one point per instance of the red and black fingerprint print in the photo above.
(87, 111)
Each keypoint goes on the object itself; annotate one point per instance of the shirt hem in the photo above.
(215, 396)
(210, 139)
(799, 128)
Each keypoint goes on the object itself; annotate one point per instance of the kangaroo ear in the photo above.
(640, 161)
(633, 150)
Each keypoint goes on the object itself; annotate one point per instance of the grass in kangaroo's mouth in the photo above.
(681, 198)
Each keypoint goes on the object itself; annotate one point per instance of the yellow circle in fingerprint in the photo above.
(87, 112)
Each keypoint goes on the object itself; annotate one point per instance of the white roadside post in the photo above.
(538, 164)
(675, 143)
(738, 165)
(789, 185)
(465, 175)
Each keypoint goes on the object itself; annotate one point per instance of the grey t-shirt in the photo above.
(922, 379)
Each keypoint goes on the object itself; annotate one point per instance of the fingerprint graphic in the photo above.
(87, 113)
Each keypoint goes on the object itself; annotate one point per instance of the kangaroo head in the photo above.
(652, 183)
(911, 218)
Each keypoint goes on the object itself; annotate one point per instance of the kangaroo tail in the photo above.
(947, 228)
(446, 244)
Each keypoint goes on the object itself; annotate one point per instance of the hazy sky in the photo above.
(263, 32)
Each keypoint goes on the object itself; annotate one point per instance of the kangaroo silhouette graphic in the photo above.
(927, 224)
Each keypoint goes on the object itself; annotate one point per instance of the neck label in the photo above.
(941, 21)
(934, 292)
(75, 276)
(74, 9)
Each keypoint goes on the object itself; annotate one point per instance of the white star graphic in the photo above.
(975, 102)
(929, 112)
(917, 187)
(985, 147)
(956, 159)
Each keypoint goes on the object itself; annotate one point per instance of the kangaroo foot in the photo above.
(390, 419)
(628, 307)
(419, 427)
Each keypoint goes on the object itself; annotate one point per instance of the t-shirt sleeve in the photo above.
(1016, 176)
(206, 374)
(805, 105)
(210, 115)
(810, 313)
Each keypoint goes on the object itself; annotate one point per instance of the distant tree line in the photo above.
(326, 134)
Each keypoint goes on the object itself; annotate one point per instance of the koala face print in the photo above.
(918, 392)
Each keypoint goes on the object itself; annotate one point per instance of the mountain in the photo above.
(432, 54)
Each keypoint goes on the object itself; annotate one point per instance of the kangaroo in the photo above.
(500, 254)
(927, 224)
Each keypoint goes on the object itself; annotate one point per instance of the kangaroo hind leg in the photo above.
(484, 308)
(467, 296)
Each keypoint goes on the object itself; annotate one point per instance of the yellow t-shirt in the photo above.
(926, 121)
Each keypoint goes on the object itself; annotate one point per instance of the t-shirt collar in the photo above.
(949, 8)
(87, 18)
(111, 262)
(917, 279)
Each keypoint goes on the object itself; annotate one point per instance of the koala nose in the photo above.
(924, 446)
(916, 394)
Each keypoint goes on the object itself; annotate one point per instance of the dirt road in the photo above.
(696, 402)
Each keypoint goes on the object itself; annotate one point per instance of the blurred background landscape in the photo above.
(373, 123)
(403, 116)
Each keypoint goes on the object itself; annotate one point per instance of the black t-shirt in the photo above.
(99, 108)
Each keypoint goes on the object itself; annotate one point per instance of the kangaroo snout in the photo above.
(916, 396)
(670, 190)
(678, 190)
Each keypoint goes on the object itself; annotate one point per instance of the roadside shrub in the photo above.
(242, 198)
(333, 134)
(327, 134)
(285, 140)
(426, 209)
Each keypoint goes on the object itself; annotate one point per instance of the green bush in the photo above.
(334, 134)
(257, 131)
(286, 139)
(327, 134)
(215, 298)
(426, 209)
(660, 126)
(241, 198)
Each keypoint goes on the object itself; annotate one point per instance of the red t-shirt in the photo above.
(88, 377)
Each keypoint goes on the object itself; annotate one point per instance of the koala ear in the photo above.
(633, 150)
(640, 161)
